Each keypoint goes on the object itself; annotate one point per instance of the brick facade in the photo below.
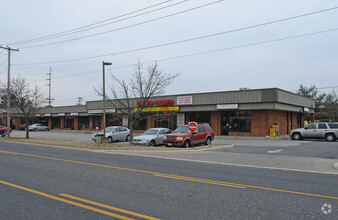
(261, 122)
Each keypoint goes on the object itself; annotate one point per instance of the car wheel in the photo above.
(208, 141)
(166, 145)
(35, 129)
(128, 138)
(110, 140)
(296, 136)
(47, 129)
(330, 137)
(152, 143)
(186, 144)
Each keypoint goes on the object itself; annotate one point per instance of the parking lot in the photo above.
(247, 145)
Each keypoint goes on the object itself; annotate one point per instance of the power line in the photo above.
(125, 27)
(88, 27)
(208, 52)
(185, 40)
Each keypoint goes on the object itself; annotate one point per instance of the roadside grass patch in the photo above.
(94, 145)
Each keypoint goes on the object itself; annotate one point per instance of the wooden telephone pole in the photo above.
(9, 50)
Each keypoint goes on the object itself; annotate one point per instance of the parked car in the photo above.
(3, 129)
(114, 133)
(22, 127)
(38, 127)
(182, 136)
(327, 130)
(152, 136)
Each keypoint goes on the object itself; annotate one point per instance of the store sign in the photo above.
(74, 114)
(61, 114)
(227, 106)
(37, 115)
(156, 103)
(48, 114)
(100, 111)
(158, 109)
(306, 109)
(184, 100)
(125, 121)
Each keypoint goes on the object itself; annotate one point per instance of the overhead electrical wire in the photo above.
(183, 41)
(89, 27)
(205, 52)
(125, 27)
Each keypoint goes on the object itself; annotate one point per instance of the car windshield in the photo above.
(109, 129)
(151, 132)
(182, 129)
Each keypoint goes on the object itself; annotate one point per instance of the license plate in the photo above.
(170, 144)
(135, 142)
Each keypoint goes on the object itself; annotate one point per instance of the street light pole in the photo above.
(104, 98)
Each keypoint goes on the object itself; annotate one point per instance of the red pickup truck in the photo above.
(182, 136)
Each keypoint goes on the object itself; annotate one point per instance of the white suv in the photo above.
(327, 130)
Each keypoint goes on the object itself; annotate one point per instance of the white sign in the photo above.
(180, 119)
(227, 106)
(306, 109)
(184, 100)
(100, 111)
(125, 121)
(48, 114)
(37, 115)
(61, 114)
(74, 114)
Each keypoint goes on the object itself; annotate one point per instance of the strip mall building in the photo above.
(233, 113)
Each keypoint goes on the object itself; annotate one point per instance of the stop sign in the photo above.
(192, 126)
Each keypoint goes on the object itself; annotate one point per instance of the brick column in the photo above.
(49, 121)
(150, 121)
(312, 117)
(215, 118)
(76, 123)
(62, 122)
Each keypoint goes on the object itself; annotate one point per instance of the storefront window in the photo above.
(165, 120)
(56, 122)
(199, 117)
(69, 122)
(235, 121)
(113, 120)
(140, 124)
(97, 122)
(83, 122)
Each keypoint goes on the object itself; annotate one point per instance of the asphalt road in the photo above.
(39, 182)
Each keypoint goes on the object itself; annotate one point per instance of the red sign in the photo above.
(156, 102)
(192, 126)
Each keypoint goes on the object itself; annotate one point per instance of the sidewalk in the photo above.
(290, 163)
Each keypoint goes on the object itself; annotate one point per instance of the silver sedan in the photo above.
(114, 133)
(38, 127)
(152, 136)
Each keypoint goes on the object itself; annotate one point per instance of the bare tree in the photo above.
(25, 100)
(140, 87)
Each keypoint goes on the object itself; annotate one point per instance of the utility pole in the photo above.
(8, 88)
(50, 87)
(104, 98)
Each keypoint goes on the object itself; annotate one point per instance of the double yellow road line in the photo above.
(118, 215)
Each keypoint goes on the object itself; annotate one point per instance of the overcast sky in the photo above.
(272, 53)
